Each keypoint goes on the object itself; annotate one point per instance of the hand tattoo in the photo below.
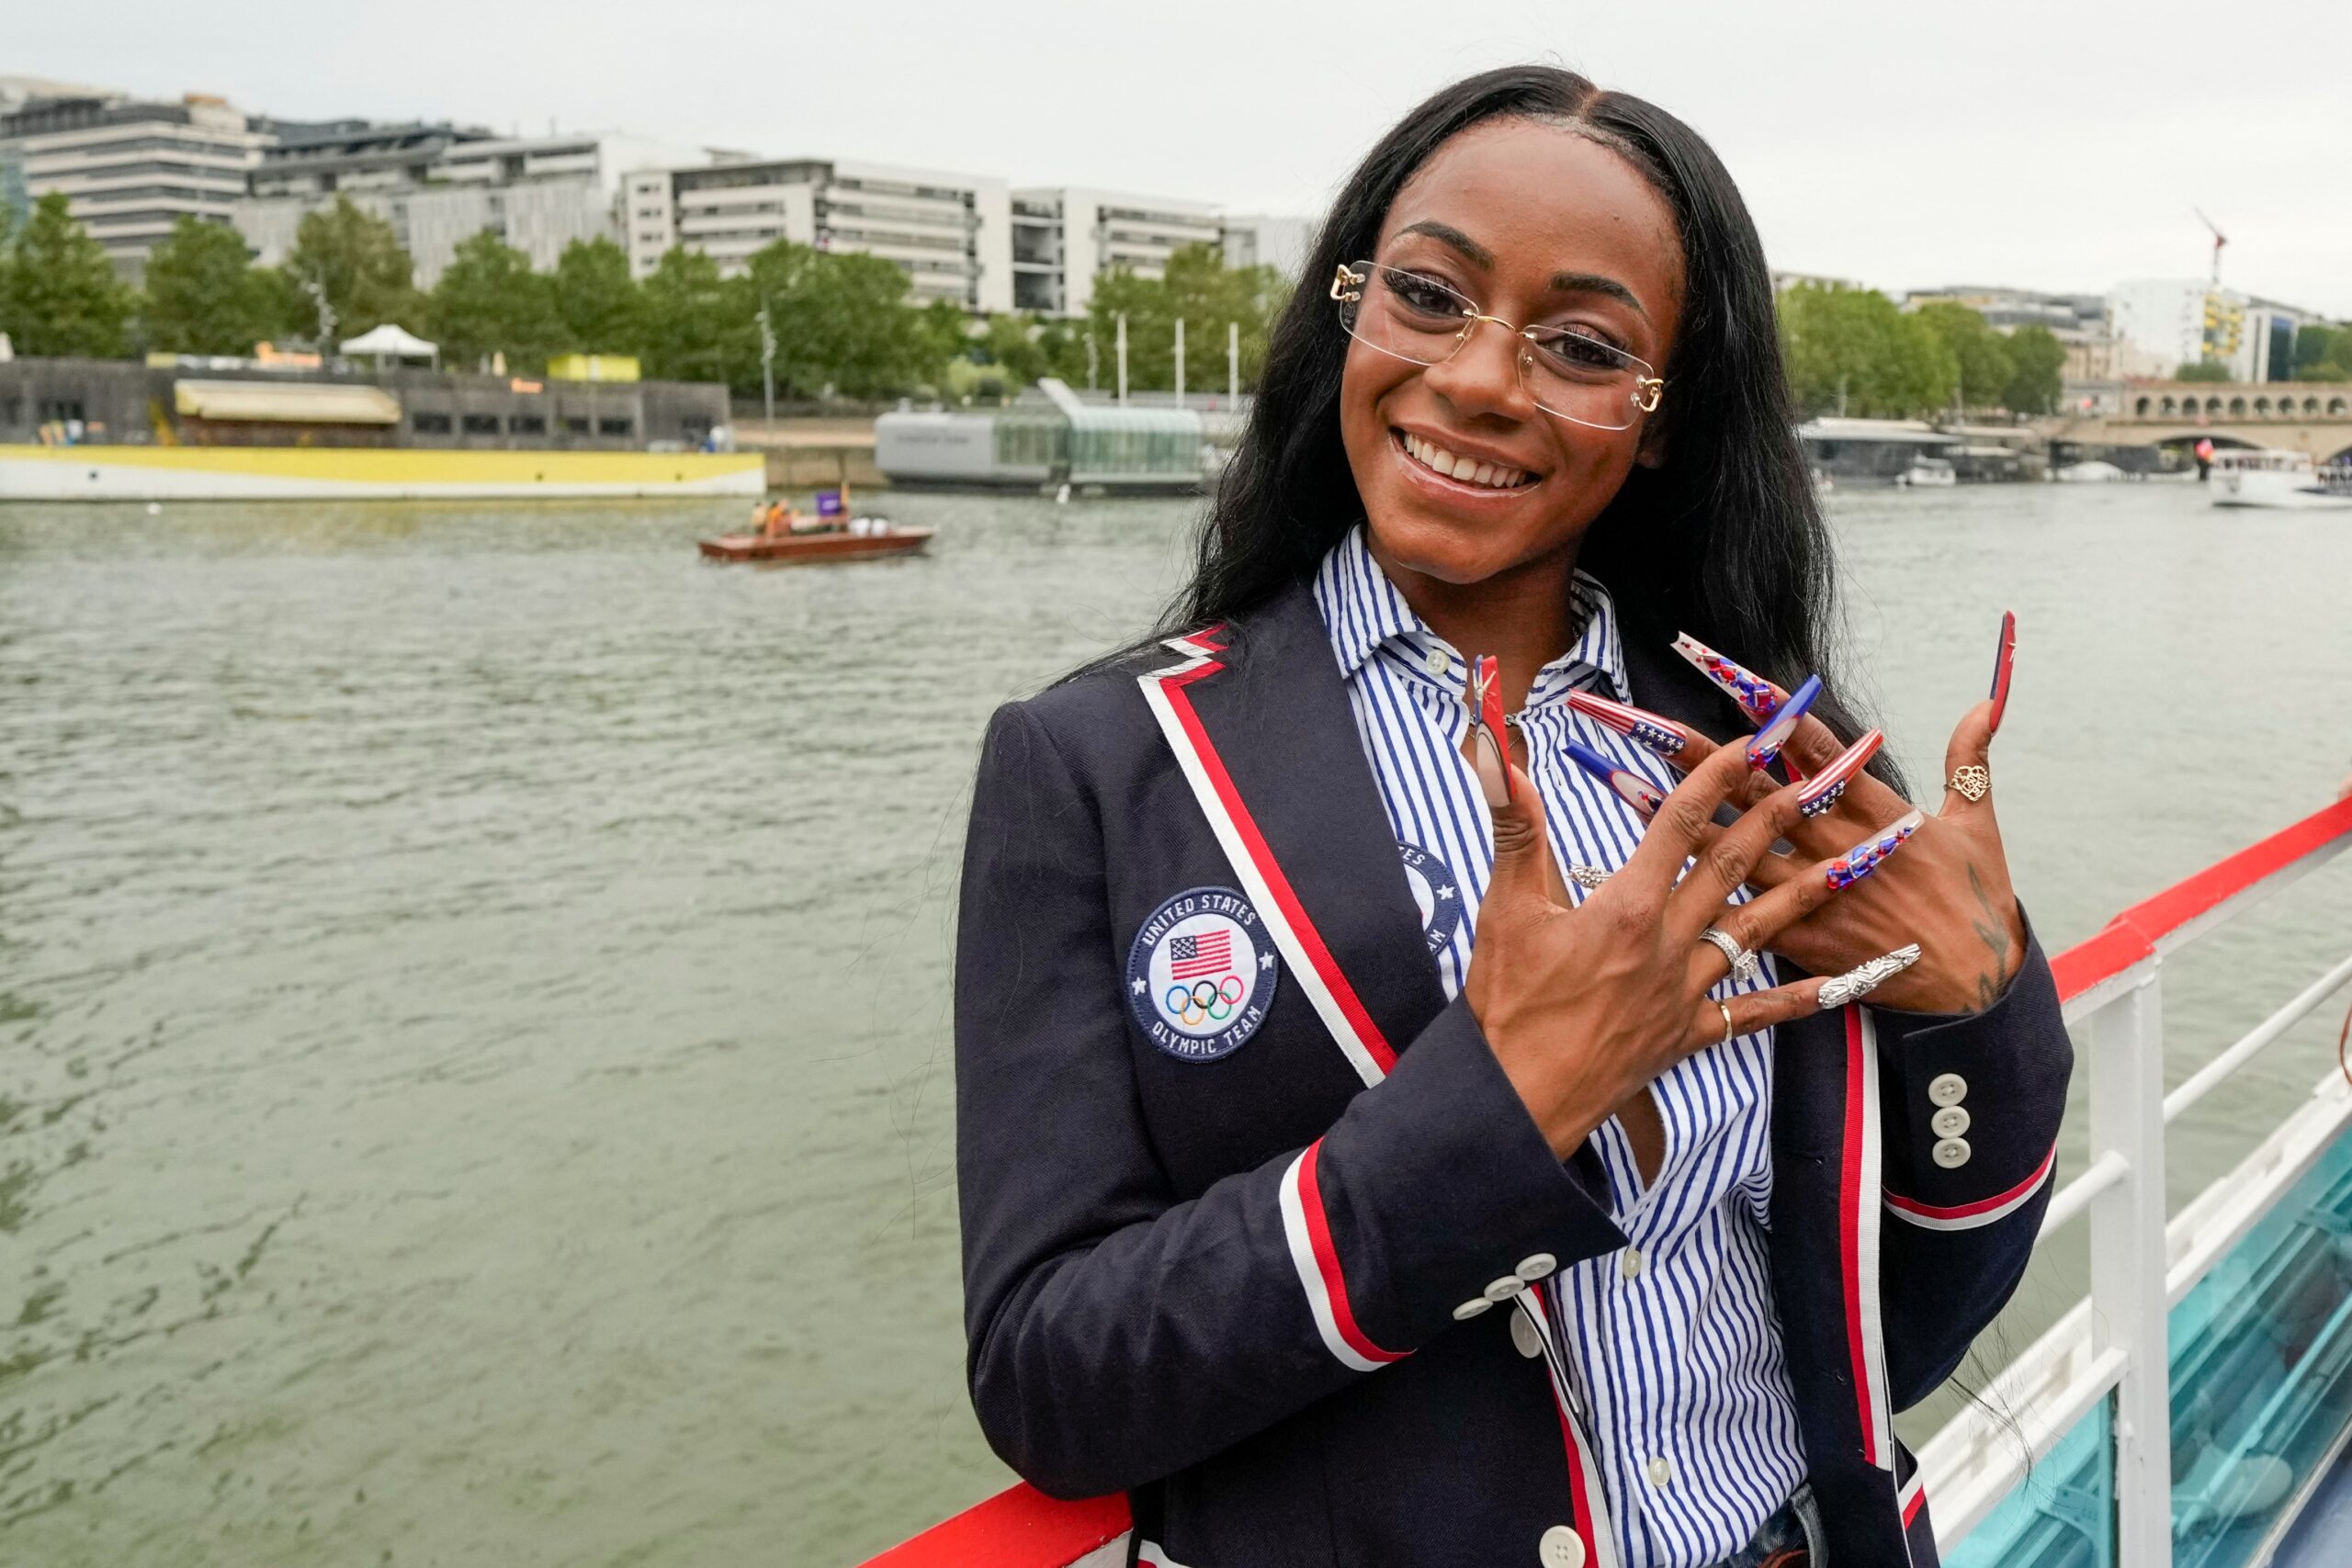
(1994, 933)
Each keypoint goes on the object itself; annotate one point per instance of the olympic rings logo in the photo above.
(1203, 1002)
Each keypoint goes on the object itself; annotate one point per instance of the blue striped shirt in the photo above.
(1674, 1341)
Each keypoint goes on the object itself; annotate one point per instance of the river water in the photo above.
(474, 1084)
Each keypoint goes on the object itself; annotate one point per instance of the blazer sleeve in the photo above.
(1117, 1334)
(1959, 1230)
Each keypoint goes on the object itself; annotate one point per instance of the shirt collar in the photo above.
(1364, 612)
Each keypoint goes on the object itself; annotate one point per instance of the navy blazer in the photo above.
(1231, 1287)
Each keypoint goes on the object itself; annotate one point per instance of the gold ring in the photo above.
(1724, 1007)
(1973, 782)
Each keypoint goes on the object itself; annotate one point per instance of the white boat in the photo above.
(2095, 472)
(2288, 480)
(1929, 473)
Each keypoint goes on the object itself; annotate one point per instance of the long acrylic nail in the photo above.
(1820, 791)
(1662, 736)
(1490, 752)
(1864, 858)
(1766, 743)
(1631, 788)
(1864, 979)
(2004, 658)
(1757, 697)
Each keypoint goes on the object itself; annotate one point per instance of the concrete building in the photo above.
(130, 168)
(1265, 241)
(2187, 321)
(1065, 238)
(952, 233)
(439, 186)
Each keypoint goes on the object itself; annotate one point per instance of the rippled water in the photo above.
(473, 1074)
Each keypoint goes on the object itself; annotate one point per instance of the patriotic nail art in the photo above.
(1662, 736)
(1631, 788)
(1757, 697)
(1766, 743)
(2003, 658)
(1864, 858)
(1484, 695)
(1822, 790)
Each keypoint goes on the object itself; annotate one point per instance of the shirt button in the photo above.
(1502, 1290)
(1435, 661)
(1536, 1265)
(1471, 1308)
(1629, 1265)
(1523, 1334)
(1661, 1471)
(1561, 1548)
(1949, 1123)
(1953, 1153)
(1948, 1088)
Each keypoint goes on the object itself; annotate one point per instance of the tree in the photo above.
(1981, 355)
(2037, 367)
(2324, 352)
(1208, 297)
(1850, 350)
(59, 294)
(843, 322)
(490, 301)
(696, 322)
(603, 309)
(357, 261)
(204, 295)
(2202, 370)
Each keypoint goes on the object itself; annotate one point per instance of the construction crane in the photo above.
(2219, 240)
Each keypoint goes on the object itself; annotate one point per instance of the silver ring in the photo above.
(1742, 962)
(1724, 1007)
(1589, 877)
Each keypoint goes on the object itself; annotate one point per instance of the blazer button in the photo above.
(1523, 1334)
(1471, 1308)
(1948, 1088)
(1561, 1548)
(1949, 1123)
(1953, 1153)
(1502, 1290)
(1536, 1265)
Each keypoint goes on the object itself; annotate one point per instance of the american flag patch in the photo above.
(1190, 956)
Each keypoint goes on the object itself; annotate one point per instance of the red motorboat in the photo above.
(826, 544)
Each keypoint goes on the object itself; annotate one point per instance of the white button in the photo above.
(1949, 1123)
(1562, 1548)
(1661, 1471)
(1502, 1290)
(1471, 1308)
(1523, 1334)
(1953, 1153)
(1538, 1265)
(1629, 1264)
(1435, 661)
(1948, 1088)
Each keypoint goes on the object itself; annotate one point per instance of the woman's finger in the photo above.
(1725, 857)
(1718, 1018)
(1968, 774)
(1680, 820)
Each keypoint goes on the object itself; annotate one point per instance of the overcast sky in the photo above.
(2057, 144)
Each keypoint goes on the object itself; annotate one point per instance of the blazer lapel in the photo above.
(1259, 719)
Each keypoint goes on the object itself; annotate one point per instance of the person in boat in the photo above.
(1394, 1131)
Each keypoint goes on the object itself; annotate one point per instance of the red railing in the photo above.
(1023, 1528)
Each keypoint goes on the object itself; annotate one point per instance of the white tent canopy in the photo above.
(391, 342)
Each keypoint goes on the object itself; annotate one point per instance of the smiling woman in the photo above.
(1407, 1110)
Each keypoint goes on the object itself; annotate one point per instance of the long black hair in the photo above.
(1724, 540)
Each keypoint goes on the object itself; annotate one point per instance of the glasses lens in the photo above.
(1402, 313)
(1581, 378)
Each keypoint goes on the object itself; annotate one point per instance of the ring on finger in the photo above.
(1724, 1007)
(1971, 782)
(1589, 877)
(1742, 962)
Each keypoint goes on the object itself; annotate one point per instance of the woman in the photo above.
(1371, 1153)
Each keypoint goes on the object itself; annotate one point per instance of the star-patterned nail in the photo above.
(1820, 791)
(1631, 788)
(1866, 857)
(1766, 743)
(2004, 658)
(1484, 695)
(1757, 697)
(1662, 736)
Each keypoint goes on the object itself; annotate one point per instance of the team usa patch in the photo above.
(1437, 893)
(1201, 975)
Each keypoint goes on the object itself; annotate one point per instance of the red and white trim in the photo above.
(1859, 1202)
(1913, 1493)
(1311, 964)
(1985, 1212)
(1149, 1555)
(1308, 1230)
(1585, 1498)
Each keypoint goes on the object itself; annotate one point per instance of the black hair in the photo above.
(1725, 540)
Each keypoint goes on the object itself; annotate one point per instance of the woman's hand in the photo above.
(1584, 1006)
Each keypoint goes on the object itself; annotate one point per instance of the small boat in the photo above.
(1929, 473)
(2287, 480)
(831, 544)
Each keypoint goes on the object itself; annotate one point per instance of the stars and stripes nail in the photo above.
(1630, 787)
(2004, 658)
(1757, 697)
(1866, 857)
(1820, 791)
(1661, 735)
(1766, 743)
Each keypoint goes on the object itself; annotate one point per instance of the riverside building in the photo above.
(1064, 238)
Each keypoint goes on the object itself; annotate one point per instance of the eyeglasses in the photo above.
(1415, 318)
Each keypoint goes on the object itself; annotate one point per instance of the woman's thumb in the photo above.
(1522, 855)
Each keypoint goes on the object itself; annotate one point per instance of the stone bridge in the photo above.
(2300, 416)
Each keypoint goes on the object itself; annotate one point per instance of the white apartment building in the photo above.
(129, 168)
(2184, 322)
(1263, 240)
(1064, 238)
(438, 186)
(951, 233)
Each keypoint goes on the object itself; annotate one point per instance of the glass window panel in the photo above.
(2061, 1515)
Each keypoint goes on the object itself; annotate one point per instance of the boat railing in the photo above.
(2087, 1409)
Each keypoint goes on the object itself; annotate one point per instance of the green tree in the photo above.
(59, 294)
(1981, 355)
(1198, 288)
(2324, 352)
(2037, 367)
(843, 322)
(204, 295)
(603, 309)
(357, 261)
(490, 301)
(2202, 370)
(698, 325)
(1851, 349)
